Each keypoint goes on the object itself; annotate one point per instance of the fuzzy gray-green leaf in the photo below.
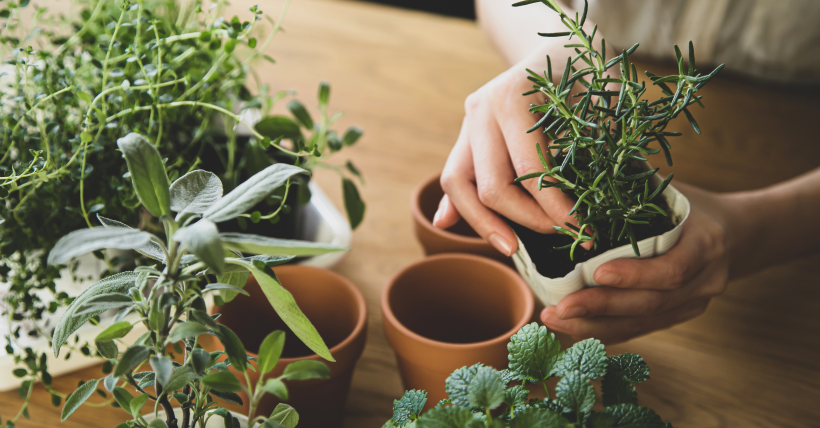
(181, 377)
(147, 173)
(285, 415)
(195, 192)
(70, 322)
(202, 239)
(130, 359)
(77, 398)
(256, 244)
(151, 249)
(84, 241)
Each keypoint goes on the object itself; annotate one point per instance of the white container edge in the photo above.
(550, 291)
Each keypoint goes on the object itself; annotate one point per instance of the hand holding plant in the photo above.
(169, 302)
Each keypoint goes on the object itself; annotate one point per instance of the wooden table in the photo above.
(753, 360)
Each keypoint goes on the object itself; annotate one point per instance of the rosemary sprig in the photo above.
(601, 130)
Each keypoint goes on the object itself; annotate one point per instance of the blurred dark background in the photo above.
(459, 8)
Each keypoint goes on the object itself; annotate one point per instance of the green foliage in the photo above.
(481, 397)
(178, 73)
(602, 131)
(170, 304)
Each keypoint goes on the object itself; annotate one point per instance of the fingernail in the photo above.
(574, 312)
(436, 217)
(607, 278)
(500, 244)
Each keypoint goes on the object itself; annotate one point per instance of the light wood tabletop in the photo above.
(752, 360)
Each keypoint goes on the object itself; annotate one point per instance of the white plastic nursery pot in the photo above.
(213, 422)
(551, 290)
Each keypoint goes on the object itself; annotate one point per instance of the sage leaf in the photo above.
(220, 286)
(114, 331)
(271, 424)
(287, 309)
(354, 205)
(306, 369)
(185, 330)
(181, 377)
(108, 349)
(233, 347)
(269, 352)
(104, 302)
(123, 397)
(137, 403)
(202, 239)
(99, 238)
(230, 397)
(163, 368)
(237, 278)
(147, 173)
(200, 359)
(222, 381)
(251, 192)
(285, 415)
(151, 249)
(157, 423)
(299, 112)
(195, 192)
(277, 388)
(77, 398)
(131, 358)
(70, 321)
(256, 244)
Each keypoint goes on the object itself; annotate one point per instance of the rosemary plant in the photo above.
(71, 85)
(483, 397)
(168, 301)
(602, 131)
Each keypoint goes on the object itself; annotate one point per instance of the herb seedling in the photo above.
(603, 131)
(196, 259)
(481, 396)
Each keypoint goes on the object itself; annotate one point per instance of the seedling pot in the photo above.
(337, 310)
(452, 310)
(461, 238)
(551, 290)
(213, 422)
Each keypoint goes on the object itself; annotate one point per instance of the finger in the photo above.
(457, 180)
(512, 114)
(447, 215)
(495, 175)
(666, 272)
(618, 329)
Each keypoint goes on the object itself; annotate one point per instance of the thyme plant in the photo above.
(602, 132)
(483, 397)
(71, 85)
(167, 298)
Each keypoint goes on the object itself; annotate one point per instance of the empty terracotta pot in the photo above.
(452, 310)
(337, 310)
(461, 238)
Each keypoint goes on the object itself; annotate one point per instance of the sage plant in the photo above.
(603, 130)
(168, 298)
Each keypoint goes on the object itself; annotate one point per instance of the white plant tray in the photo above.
(323, 223)
(551, 290)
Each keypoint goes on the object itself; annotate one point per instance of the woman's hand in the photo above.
(644, 295)
(493, 149)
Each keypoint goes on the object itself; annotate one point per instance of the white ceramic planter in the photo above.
(213, 422)
(551, 290)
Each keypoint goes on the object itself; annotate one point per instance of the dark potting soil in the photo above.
(553, 263)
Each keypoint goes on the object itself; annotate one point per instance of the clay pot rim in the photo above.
(360, 304)
(390, 317)
(421, 219)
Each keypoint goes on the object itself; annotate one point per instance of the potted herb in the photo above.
(177, 73)
(602, 127)
(481, 396)
(169, 301)
(335, 307)
(449, 310)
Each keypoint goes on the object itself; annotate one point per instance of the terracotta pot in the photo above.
(461, 238)
(452, 310)
(337, 310)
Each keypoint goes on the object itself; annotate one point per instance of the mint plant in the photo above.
(602, 131)
(167, 297)
(483, 397)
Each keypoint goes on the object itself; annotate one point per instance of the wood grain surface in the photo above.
(753, 360)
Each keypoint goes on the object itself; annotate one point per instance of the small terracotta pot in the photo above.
(452, 310)
(461, 238)
(337, 310)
